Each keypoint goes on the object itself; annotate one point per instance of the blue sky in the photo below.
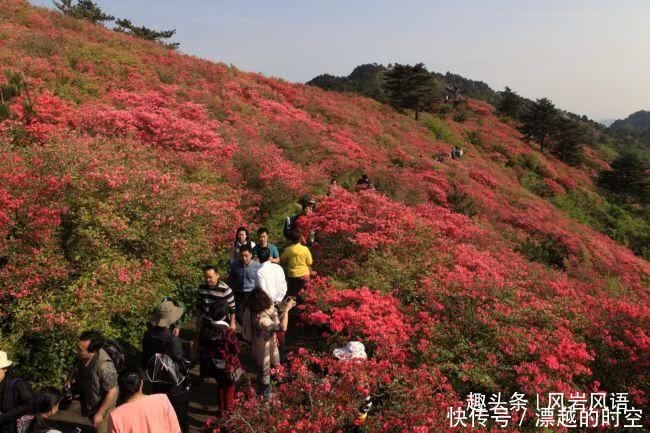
(589, 57)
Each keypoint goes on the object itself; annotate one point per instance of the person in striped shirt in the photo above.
(213, 291)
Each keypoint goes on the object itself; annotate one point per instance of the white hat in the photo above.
(4, 361)
(352, 350)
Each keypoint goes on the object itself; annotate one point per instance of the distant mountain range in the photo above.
(636, 123)
(606, 122)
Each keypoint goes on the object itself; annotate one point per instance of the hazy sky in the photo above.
(589, 57)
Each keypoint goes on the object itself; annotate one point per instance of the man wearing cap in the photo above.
(16, 398)
(159, 338)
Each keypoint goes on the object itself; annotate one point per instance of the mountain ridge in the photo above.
(127, 167)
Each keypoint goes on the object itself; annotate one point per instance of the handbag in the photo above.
(164, 369)
(236, 374)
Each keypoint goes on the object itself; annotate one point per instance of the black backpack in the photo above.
(163, 369)
(116, 353)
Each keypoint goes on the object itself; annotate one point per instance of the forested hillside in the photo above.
(126, 166)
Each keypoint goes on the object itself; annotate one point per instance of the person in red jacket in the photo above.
(219, 344)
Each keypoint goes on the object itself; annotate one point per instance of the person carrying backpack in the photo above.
(164, 361)
(96, 377)
(16, 399)
(298, 221)
(221, 352)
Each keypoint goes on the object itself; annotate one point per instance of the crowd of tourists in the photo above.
(249, 307)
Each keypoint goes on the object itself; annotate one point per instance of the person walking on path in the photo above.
(141, 413)
(242, 277)
(263, 237)
(221, 352)
(270, 277)
(272, 280)
(160, 339)
(241, 238)
(215, 291)
(260, 323)
(96, 377)
(300, 221)
(16, 399)
(212, 292)
(297, 261)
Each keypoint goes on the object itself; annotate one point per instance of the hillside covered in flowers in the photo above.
(125, 167)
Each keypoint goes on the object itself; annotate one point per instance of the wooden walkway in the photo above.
(203, 396)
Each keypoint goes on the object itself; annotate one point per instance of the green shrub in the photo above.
(474, 137)
(535, 184)
(461, 202)
(445, 109)
(440, 130)
(125, 240)
(37, 46)
(529, 161)
(460, 116)
(544, 249)
(625, 226)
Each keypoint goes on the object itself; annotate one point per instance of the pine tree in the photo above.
(125, 26)
(539, 121)
(568, 140)
(510, 103)
(84, 9)
(411, 87)
(628, 180)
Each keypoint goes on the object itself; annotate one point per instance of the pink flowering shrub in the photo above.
(124, 167)
(155, 119)
(77, 216)
(555, 187)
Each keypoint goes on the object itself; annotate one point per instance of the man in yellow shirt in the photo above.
(297, 261)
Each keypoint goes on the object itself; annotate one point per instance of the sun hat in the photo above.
(4, 361)
(166, 314)
(307, 200)
(352, 350)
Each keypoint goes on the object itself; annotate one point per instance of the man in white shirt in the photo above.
(270, 277)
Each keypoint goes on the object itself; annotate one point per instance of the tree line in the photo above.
(627, 181)
(563, 134)
(90, 11)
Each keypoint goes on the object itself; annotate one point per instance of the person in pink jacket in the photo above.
(141, 413)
